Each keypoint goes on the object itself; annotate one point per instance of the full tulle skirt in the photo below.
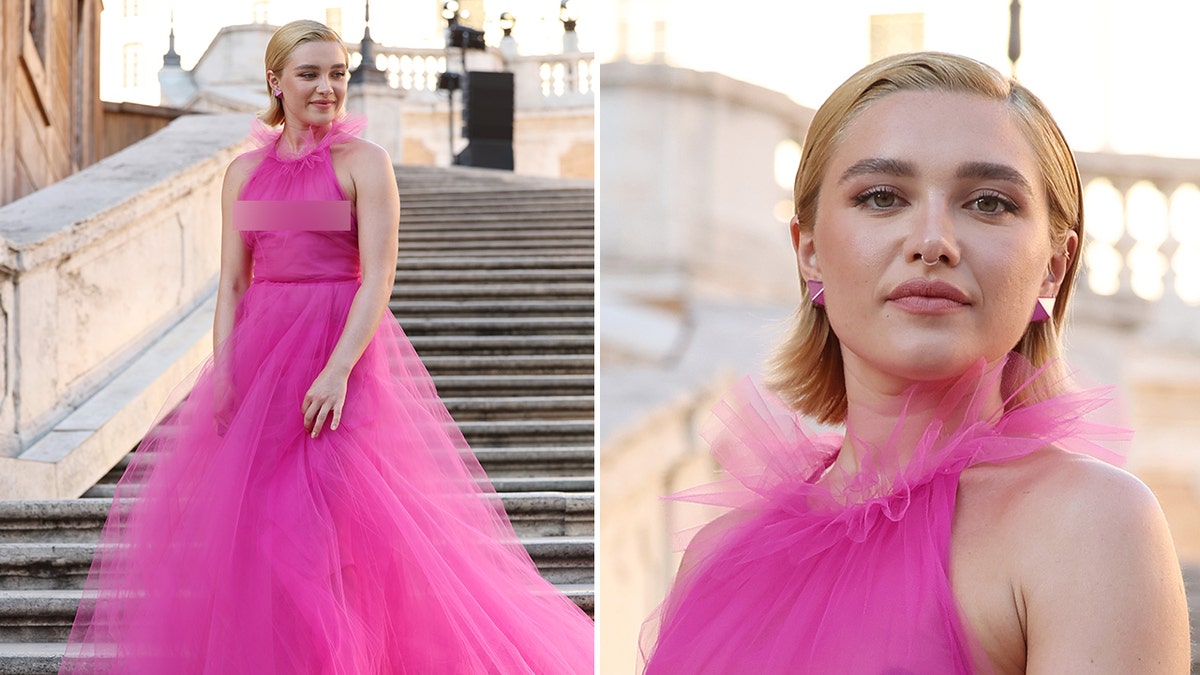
(237, 543)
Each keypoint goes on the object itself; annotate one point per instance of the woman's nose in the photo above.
(932, 238)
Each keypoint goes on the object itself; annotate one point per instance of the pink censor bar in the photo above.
(309, 216)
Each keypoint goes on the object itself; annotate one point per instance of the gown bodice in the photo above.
(282, 250)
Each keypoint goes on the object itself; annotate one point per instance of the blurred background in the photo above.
(700, 121)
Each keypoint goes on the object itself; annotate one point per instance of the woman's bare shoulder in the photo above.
(1093, 555)
(1059, 489)
(359, 152)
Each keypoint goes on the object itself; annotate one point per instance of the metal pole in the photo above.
(1014, 35)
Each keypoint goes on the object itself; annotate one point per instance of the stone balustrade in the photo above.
(542, 80)
(106, 285)
(1142, 254)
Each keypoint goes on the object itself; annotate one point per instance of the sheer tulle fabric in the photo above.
(239, 544)
(817, 570)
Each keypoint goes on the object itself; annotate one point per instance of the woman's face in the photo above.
(313, 83)
(950, 178)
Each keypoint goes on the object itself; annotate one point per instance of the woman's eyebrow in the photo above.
(873, 165)
(309, 66)
(994, 171)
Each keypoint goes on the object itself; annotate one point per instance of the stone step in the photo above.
(568, 207)
(564, 484)
(521, 188)
(514, 385)
(503, 344)
(511, 262)
(544, 237)
(65, 565)
(45, 616)
(494, 248)
(528, 432)
(469, 278)
(30, 658)
(498, 225)
(517, 365)
(483, 193)
(506, 307)
(484, 212)
(414, 325)
(511, 291)
(492, 195)
(537, 461)
(523, 407)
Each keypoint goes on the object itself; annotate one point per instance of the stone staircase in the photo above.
(494, 286)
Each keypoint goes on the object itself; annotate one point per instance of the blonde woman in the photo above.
(311, 507)
(961, 523)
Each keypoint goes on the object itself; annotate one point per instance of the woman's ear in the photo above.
(272, 80)
(1059, 263)
(806, 252)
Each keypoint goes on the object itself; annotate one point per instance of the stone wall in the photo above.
(94, 271)
(690, 185)
(638, 541)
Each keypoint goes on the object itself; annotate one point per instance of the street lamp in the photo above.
(367, 70)
(567, 15)
(450, 11)
(508, 45)
(1014, 34)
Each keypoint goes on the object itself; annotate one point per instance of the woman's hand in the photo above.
(324, 400)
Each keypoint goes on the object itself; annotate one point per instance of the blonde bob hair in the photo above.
(279, 50)
(806, 370)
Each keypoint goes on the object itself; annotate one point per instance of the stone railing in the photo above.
(542, 81)
(106, 285)
(1142, 254)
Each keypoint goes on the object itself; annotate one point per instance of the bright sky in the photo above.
(1116, 73)
(408, 23)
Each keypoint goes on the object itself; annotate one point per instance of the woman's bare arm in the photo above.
(235, 259)
(377, 202)
(1104, 593)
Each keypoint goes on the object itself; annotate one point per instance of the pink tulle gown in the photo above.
(804, 577)
(253, 548)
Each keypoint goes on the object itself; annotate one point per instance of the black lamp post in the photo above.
(448, 81)
(367, 70)
(1014, 34)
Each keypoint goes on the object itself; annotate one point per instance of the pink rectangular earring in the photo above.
(1042, 309)
(816, 290)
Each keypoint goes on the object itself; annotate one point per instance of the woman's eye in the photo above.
(993, 204)
(882, 200)
(988, 204)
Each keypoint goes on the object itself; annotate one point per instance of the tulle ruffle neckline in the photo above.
(772, 455)
(824, 569)
(314, 141)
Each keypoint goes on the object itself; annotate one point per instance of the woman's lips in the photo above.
(928, 296)
(323, 104)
